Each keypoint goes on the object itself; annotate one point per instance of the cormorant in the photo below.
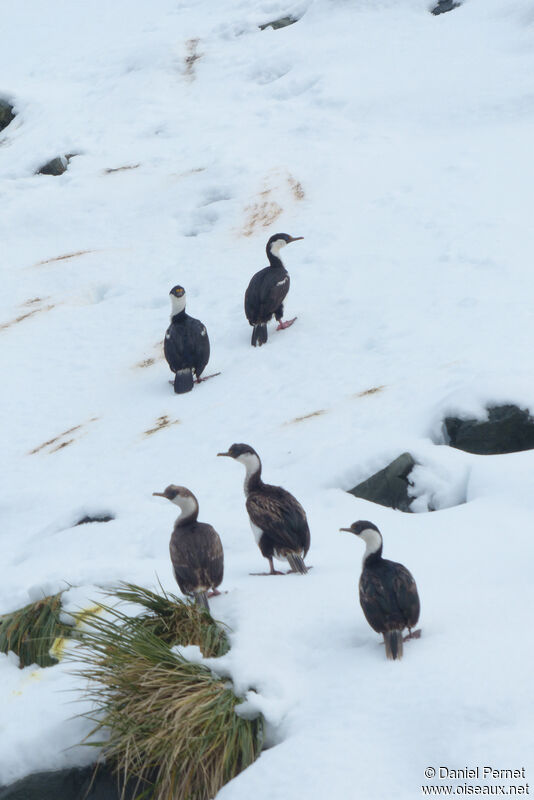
(186, 344)
(195, 547)
(267, 290)
(278, 521)
(388, 593)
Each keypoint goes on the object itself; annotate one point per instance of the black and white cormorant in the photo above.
(195, 547)
(388, 594)
(186, 344)
(278, 521)
(267, 290)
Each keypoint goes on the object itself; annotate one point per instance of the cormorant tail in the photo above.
(297, 563)
(393, 642)
(183, 381)
(201, 600)
(259, 335)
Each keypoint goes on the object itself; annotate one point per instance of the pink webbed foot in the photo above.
(413, 635)
(283, 325)
(205, 377)
(274, 572)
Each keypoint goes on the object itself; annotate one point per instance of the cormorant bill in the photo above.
(195, 547)
(278, 521)
(388, 594)
(186, 344)
(267, 290)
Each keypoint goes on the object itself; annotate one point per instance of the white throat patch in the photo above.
(251, 462)
(177, 304)
(373, 541)
(188, 505)
(277, 246)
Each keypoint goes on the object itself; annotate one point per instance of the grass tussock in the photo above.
(168, 724)
(30, 632)
(174, 621)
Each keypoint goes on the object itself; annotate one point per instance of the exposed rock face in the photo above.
(64, 784)
(6, 114)
(443, 6)
(508, 429)
(94, 518)
(282, 22)
(57, 166)
(389, 487)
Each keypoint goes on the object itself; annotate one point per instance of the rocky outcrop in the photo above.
(508, 429)
(443, 6)
(57, 166)
(85, 520)
(6, 114)
(389, 487)
(75, 783)
(282, 22)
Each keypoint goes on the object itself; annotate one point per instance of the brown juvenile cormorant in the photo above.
(388, 594)
(267, 290)
(186, 344)
(195, 547)
(278, 521)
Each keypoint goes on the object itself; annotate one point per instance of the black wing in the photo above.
(197, 557)
(406, 594)
(202, 346)
(187, 344)
(281, 518)
(265, 293)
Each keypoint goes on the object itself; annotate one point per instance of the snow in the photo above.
(399, 145)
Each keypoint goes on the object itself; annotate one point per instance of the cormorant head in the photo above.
(238, 450)
(183, 498)
(245, 454)
(177, 295)
(279, 240)
(176, 494)
(368, 532)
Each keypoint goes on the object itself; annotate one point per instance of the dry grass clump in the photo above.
(168, 723)
(21, 317)
(174, 621)
(160, 423)
(31, 631)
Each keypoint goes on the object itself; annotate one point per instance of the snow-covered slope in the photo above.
(399, 145)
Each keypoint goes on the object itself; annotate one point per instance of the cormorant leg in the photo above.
(278, 314)
(413, 634)
(273, 570)
(206, 377)
(283, 325)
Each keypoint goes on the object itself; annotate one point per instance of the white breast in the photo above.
(258, 533)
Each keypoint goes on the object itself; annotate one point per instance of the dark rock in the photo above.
(6, 114)
(389, 487)
(75, 783)
(283, 22)
(508, 429)
(96, 518)
(444, 5)
(55, 167)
